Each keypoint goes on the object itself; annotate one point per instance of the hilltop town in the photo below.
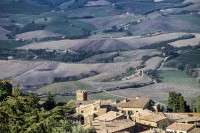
(132, 115)
(99, 66)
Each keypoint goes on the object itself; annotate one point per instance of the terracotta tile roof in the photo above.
(181, 117)
(153, 117)
(154, 131)
(180, 126)
(79, 103)
(134, 103)
(195, 130)
(111, 102)
(112, 126)
(141, 113)
(109, 116)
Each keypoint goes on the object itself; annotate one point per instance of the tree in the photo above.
(130, 70)
(182, 109)
(5, 89)
(179, 66)
(176, 103)
(16, 91)
(50, 102)
(198, 104)
(188, 68)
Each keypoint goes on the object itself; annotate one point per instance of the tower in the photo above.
(81, 95)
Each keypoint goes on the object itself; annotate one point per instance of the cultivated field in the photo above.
(63, 87)
(172, 81)
(153, 63)
(124, 43)
(161, 23)
(135, 55)
(3, 33)
(97, 3)
(36, 34)
(100, 11)
(39, 73)
(191, 57)
(109, 21)
(192, 42)
(34, 74)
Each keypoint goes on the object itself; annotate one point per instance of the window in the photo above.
(129, 112)
(82, 111)
(95, 109)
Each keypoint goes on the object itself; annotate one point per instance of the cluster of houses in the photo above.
(132, 115)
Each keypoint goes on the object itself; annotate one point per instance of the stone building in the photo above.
(81, 95)
(149, 119)
(130, 106)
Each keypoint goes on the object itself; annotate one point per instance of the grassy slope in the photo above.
(183, 82)
(9, 44)
(97, 96)
(192, 57)
(15, 8)
(190, 18)
(55, 23)
(179, 77)
(63, 87)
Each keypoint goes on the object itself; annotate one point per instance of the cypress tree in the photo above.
(50, 102)
(182, 103)
(198, 105)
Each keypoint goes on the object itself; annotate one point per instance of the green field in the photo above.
(190, 18)
(63, 87)
(192, 58)
(97, 96)
(56, 23)
(179, 78)
(9, 44)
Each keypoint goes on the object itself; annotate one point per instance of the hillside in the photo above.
(100, 45)
(110, 44)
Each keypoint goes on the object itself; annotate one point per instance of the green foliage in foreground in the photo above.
(21, 113)
(5, 90)
(176, 103)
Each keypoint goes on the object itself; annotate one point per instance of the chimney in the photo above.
(126, 100)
